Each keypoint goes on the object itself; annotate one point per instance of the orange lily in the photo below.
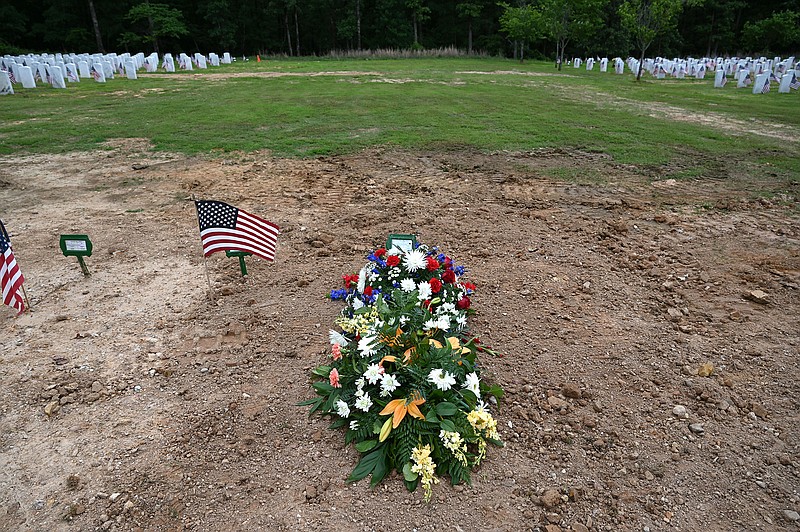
(393, 341)
(399, 408)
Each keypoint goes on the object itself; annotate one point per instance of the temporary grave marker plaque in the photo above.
(77, 246)
(404, 243)
(241, 255)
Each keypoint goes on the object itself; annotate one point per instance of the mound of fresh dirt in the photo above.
(650, 332)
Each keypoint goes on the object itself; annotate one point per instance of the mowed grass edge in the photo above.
(324, 107)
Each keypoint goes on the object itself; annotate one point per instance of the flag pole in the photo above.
(27, 301)
(205, 259)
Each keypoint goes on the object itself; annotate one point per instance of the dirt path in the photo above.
(176, 413)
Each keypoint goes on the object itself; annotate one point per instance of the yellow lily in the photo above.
(400, 407)
(454, 342)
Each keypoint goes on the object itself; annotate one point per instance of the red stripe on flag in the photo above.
(11, 280)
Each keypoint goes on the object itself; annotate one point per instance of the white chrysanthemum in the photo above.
(473, 384)
(342, 408)
(360, 382)
(424, 290)
(364, 403)
(403, 319)
(446, 308)
(337, 338)
(443, 322)
(367, 346)
(442, 379)
(430, 324)
(373, 373)
(408, 285)
(414, 260)
(461, 319)
(357, 303)
(388, 384)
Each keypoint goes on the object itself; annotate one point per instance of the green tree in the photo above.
(221, 26)
(470, 11)
(157, 21)
(565, 20)
(646, 20)
(419, 14)
(522, 24)
(779, 33)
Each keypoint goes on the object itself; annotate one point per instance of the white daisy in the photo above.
(442, 379)
(473, 384)
(424, 290)
(388, 384)
(373, 373)
(414, 260)
(364, 403)
(342, 408)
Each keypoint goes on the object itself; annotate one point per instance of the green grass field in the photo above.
(483, 104)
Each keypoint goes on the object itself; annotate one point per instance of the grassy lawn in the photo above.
(485, 104)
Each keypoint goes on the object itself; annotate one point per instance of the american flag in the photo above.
(11, 278)
(724, 80)
(795, 83)
(765, 88)
(226, 228)
(95, 73)
(71, 75)
(11, 75)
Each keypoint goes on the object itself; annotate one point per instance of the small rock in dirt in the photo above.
(705, 370)
(791, 515)
(557, 403)
(757, 296)
(311, 492)
(577, 527)
(697, 428)
(317, 244)
(52, 408)
(73, 481)
(681, 412)
(759, 410)
(571, 390)
(550, 498)
(139, 166)
(97, 387)
(552, 528)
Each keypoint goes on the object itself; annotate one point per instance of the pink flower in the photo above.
(334, 378)
(337, 351)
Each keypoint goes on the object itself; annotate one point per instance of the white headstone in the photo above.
(26, 77)
(761, 81)
(719, 79)
(72, 73)
(5, 83)
(130, 69)
(701, 72)
(786, 81)
(57, 78)
(213, 59)
(604, 64)
(589, 64)
(577, 63)
(108, 69)
(201, 61)
(98, 73)
(226, 58)
(744, 79)
(83, 69)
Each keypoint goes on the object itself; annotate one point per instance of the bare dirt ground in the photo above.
(130, 401)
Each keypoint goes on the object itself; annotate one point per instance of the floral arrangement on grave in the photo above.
(403, 378)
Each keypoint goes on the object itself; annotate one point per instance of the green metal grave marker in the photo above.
(77, 246)
(241, 255)
(404, 243)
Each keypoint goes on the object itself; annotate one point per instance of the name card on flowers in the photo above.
(403, 243)
(403, 378)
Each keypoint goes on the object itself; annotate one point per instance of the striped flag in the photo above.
(226, 228)
(765, 88)
(11, 278)
(795, 83)
(11, 75)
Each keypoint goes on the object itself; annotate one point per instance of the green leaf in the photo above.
(309, 402)
(365, 466)
(376, 427)
(366, 445)
(448, 425)
(339, 423)
(380, 471)
(446, 409)
(431, 416)
(409, 475)
(323, 387)
(322, 371)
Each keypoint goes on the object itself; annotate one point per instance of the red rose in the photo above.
(436, 285)
(392, 260)
(433, 264)
(449, 277)
(368, 291)
(380, 252)
(463, 303)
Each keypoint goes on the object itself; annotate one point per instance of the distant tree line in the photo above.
(519, 28)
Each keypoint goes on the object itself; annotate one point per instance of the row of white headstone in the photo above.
(59, 69)
(744, 70)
